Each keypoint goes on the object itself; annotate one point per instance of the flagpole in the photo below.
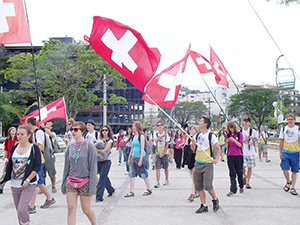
(212, 93)
(177, 125)
(34, 66)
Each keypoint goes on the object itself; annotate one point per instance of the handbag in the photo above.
(77, 182)
(100, 156)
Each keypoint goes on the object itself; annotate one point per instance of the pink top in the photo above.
(120, 142)
(233, 149)
(179, 141)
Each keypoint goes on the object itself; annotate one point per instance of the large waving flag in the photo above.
(56, 109)
(218, 69)
(163, 89)
(202, 63)
(13, 24)
(125, 50)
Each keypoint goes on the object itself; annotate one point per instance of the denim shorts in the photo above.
(136, 170)
(290, 160)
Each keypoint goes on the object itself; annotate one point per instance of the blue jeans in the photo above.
(126, 156)
(104, 182)
(120, 154)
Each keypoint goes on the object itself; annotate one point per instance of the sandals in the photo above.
(148, 192)
(191, 198)
(287, 187)
(293, 191)
(130, 194)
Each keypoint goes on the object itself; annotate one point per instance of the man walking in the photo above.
(161, 139)
(262, 143)
(289, 152)
(249, 138)
(91, 135)
(204, 143)
(39, 139)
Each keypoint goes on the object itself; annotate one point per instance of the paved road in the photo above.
(265, 203)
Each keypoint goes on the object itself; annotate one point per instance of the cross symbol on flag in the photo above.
(170, 81)
(44, 112)
(121, 48)
(6, 10)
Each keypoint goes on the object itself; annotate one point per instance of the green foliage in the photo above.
(114, 99)
(5, 116)
(71, 70)
(257, 102)
(184, 113)
(286, 2)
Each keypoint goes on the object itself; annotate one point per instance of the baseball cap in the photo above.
(247, 119)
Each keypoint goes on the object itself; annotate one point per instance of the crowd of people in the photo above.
(29, 155)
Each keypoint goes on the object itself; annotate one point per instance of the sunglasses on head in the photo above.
(75, 129)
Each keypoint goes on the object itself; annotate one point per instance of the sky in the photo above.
(230, 27)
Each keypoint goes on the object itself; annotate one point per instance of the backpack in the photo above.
(54, 145)
(46, 149)
(209, 140)
(147, 147)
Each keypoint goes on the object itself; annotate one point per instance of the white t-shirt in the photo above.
(291, 138)
(39, 137)
(163, 141)
(91, 137)
(19, 165)
(248, 145)
(203, 145)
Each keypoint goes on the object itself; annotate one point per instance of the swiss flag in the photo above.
(163, 89)
(202, 63)
(218, 69)
(125, 50)
(56, 109)
(13, 24)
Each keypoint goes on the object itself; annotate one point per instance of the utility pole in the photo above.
(209, 101)
(105, 100)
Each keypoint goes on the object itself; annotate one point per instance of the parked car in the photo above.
(1, 146)
(61, 144)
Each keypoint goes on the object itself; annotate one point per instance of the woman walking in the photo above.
(234, 144)
(221, 140)
(128, 144)
(137, 160)
(80, 174)
(8, 144)
(120, 146)
(189, 160)
(178, 140)
(104, 162)
(23, 165)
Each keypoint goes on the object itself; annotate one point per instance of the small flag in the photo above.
(218, 69)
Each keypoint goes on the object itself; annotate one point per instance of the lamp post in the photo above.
(209, 101)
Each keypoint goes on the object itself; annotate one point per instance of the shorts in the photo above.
(162, 162)
(262, 148)
(223, 148)
(203, 176)
(83, 191)
(249, 161)
(40, 175)
(290, 160)
(136, 170)
(50, 167)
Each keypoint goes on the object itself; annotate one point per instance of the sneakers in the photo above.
(230, 194)
(216, 205)
(111, 194)
(1, 191)
(31, 210)
(268, 161)
(48, 203)
(241, 190)
(166, 182)
(54, 190)
(202, 209)
(157, 185)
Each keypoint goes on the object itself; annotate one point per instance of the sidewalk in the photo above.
(265, 203)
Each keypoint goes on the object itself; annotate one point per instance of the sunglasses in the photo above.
(105, 130)
(69, 124)
(74, 129)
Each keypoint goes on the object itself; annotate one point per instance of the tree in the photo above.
(71, 70)
(286, 2)
(184, 113)
(5, 116)
(257, 102)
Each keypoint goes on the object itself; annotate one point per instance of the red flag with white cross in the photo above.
(201, 62)
(13, 23)
(124, 49)
(163, 89)
(56, 109)
(218, 69)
